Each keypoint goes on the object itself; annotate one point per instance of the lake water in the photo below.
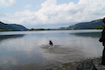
(30, 49)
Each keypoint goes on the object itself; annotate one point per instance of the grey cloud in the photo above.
(51, 13)
(6, 3)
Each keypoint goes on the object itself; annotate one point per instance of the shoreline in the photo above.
(80, 65)
(85, 64)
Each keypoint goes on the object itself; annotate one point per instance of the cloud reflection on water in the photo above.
(33, 47)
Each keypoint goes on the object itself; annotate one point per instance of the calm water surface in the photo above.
(30, 48)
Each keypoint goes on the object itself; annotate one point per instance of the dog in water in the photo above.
(50, 43)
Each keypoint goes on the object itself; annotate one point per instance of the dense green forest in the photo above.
(11, 27)
(96, 24)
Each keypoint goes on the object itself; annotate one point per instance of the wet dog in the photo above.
(50, 43)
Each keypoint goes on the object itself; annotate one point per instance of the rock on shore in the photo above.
(88, 64)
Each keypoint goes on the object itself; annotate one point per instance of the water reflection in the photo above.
(29, 50)
(3, 37)
(89, 34)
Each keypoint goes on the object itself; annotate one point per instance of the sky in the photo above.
(50, 13)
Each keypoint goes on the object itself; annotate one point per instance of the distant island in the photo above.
(95, 24)
(40, 29)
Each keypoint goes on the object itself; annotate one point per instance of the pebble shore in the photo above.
(87, 64)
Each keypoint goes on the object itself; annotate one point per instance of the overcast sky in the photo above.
(50, 13)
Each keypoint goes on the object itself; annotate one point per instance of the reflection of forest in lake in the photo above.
(3, 37)
(89, 34)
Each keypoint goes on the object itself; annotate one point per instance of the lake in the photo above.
(30, 49)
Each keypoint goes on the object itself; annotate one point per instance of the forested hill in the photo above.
(96, 24)
(19, 27)
(11, 27)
